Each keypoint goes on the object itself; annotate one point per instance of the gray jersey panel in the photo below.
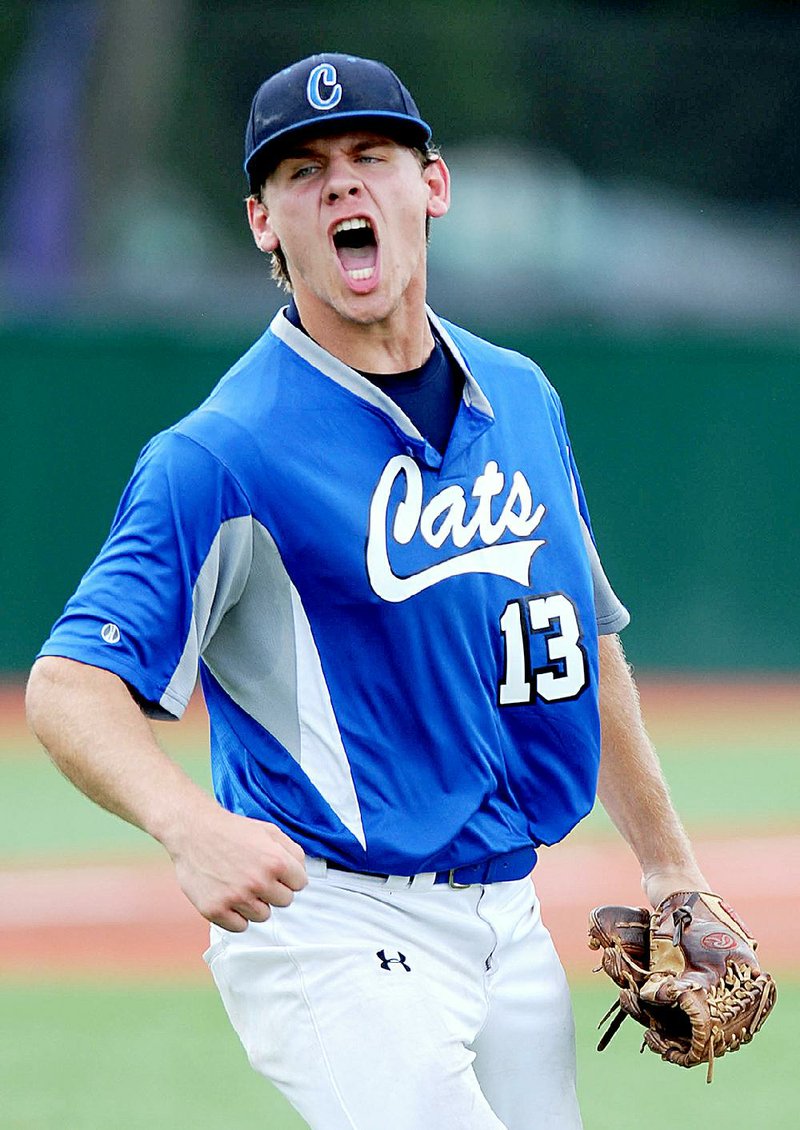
(252, 654)
(263, 655)
(611, 614)
(219, 585)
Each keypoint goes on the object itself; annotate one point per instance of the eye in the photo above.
(303, 171)
(368, 158)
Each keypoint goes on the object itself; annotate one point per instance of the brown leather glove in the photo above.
(688, 972)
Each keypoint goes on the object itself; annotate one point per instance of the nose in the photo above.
(342, 181)
(335, 194)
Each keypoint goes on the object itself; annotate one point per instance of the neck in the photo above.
(393, 343)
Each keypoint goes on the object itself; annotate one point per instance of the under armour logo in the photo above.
(324, 73)
(387, 962)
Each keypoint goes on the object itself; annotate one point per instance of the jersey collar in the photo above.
(360, 386)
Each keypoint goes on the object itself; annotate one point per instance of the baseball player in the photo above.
(372, 542)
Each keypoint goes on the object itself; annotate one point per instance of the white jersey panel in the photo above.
(322, 754)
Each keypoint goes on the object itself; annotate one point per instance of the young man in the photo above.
(373, 542)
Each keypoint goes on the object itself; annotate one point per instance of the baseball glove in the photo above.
(687, 972)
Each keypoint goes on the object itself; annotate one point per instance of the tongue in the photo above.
(356, 258)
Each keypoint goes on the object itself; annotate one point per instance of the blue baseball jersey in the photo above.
(398, 648)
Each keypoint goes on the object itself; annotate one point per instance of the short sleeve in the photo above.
(611, 614)
(176, 559)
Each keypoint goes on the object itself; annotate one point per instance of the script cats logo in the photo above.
(442, 520)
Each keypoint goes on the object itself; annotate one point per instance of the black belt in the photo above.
(499, 869)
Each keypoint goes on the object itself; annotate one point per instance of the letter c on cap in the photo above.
(324, 73)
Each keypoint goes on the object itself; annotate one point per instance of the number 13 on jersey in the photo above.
(565, 674)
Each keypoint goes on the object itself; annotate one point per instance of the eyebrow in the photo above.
(303, 151)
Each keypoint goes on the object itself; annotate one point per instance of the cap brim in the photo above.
(399, 127)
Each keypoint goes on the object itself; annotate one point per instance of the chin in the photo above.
(366, 309)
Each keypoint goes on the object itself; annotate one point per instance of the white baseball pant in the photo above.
(399, 1005)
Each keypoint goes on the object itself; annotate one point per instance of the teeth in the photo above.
(349, 225)
(362, 273)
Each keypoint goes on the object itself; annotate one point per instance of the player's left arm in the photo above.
(632, 788)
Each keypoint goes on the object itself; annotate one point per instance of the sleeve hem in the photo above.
(156, 703)
(613, 622)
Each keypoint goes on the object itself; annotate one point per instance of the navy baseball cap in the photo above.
(307, 97)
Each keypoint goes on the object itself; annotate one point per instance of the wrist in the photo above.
(175, 822)
(659, 884)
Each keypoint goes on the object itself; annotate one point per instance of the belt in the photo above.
(499, 869)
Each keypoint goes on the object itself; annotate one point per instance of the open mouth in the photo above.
(356, 248)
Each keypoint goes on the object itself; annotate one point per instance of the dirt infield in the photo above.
(131, 919)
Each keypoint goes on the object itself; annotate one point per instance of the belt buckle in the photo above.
(452, 884)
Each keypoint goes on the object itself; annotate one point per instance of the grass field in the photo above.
(88, 1051)
(84, 1057)
(714, 787)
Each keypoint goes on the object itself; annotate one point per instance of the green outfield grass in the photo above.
(42, 816)
(90, 1057)
(751, 784)
(715, 786)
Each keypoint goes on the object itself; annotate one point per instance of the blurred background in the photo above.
(627, 212)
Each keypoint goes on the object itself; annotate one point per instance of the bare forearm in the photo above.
(632, 788)
(97, 736)
(232, 868)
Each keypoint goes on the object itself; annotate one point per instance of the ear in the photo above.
(437, 178)
(260, 225)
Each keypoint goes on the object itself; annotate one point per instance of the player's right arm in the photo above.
(230, 867)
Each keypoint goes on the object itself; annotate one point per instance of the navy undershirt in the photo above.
(429, 395)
